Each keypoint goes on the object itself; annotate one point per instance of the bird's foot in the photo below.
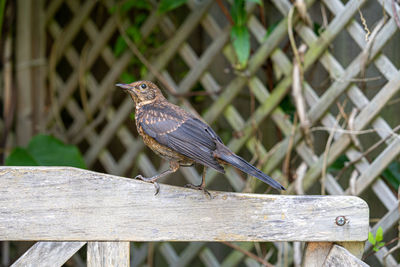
(157, 188)
(140, 177)
(199, 187)
(149, 180)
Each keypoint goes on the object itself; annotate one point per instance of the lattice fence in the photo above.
(85, 108)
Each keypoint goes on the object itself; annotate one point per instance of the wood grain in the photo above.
(48, 254)
(68, 204)
(339, 256)
(315, 254)
(355, 248)
(104, 254)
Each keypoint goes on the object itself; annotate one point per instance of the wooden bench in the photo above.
(74, 206)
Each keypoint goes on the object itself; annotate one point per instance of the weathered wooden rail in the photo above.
(73, 206)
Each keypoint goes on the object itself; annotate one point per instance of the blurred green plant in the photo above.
(168, 5)
(288, 107)
(318, 29)
(270, 29)
(392, 174)
(240, 36)
(46, 150)
(376, 240)
(339, 163)
(2, 8)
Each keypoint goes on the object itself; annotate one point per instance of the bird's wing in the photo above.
(186, 135)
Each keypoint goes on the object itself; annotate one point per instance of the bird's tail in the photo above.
(225, 154)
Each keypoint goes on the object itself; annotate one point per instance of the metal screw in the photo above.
(340, 220)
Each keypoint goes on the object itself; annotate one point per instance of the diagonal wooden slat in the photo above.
(49, 253)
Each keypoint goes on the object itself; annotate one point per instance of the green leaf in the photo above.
(371, 238)
(339, 163)
(260, 2)
(20, 157)
(381, 244)
(376, 249)
(317, 28)
(199, 98)
(241, 43)
(168, 5)
(112, 9)
(134, 33)
(379, 234)
(119, 46)
(44, 150)
(238, 12)
(270, 29)
(49, 151)
(288, 107)
(139, 19)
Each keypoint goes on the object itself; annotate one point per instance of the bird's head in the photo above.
(142, 91)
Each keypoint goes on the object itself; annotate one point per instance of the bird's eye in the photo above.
(143, 85)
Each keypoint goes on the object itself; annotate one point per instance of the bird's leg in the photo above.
(201, 186)
(173, 167)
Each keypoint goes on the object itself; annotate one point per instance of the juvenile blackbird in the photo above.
(181, 138)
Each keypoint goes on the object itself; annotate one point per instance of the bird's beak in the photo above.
(125, 87)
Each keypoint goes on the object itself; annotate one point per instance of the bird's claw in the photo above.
(199, 187)
(156, 185)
